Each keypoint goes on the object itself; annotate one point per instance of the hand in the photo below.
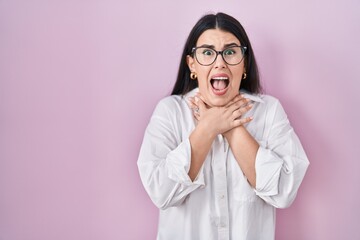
(219, 120)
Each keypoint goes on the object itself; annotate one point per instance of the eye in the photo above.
(208, 52)
(229, 51)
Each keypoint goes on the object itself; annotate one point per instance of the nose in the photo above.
(219, 61)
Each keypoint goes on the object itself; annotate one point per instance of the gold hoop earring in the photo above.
(244, 75)
(193, 76)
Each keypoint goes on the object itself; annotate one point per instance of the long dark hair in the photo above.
(226, 23)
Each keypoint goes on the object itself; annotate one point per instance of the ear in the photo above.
(191, 63)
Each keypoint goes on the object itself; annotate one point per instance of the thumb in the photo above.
(200, 103)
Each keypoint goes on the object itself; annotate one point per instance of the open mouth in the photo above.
(219, 83)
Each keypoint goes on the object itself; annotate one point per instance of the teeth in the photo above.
(220, 78)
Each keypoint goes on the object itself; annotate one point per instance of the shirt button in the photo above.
(222, 196)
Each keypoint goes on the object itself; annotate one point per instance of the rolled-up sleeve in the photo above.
(281, 161)
(164, 159)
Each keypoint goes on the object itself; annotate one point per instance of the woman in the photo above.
(218, 157)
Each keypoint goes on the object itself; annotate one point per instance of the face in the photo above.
(219, 82)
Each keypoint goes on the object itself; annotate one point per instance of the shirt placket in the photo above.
(221, 198)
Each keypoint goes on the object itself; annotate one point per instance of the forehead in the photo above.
(217, 38)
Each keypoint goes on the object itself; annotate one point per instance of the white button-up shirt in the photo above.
(220, 203)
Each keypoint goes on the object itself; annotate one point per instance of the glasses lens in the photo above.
(233, 55)
(205, 56)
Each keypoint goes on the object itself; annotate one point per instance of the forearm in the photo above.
(244, 148)
(200, 141)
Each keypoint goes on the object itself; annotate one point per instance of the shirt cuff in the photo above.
(178, 165)
(268, 167)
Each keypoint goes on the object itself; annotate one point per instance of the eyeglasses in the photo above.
(232, 55)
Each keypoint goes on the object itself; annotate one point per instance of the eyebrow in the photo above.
(225, 46)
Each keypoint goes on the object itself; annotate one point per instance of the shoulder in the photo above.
(273, 105)
(170, 102)
(269, 100)
(274, 108)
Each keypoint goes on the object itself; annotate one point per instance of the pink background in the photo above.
(80, 79)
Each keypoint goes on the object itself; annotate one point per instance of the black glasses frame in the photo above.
(243, 48)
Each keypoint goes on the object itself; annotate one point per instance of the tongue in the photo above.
(219, 84)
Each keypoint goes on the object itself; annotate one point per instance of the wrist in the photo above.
(234, 131)
(207, 132)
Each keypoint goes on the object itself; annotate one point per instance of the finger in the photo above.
(200, 103)
(193, 106)
(238, 101)
(242, 103)
(246, 108)
(242, 110)
(242, 121)
(197, 116)
(235, 99)
(201, 97)
(191, 103)
(189, 99)
(238, 97)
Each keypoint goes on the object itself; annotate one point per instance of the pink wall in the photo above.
(78, 83)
